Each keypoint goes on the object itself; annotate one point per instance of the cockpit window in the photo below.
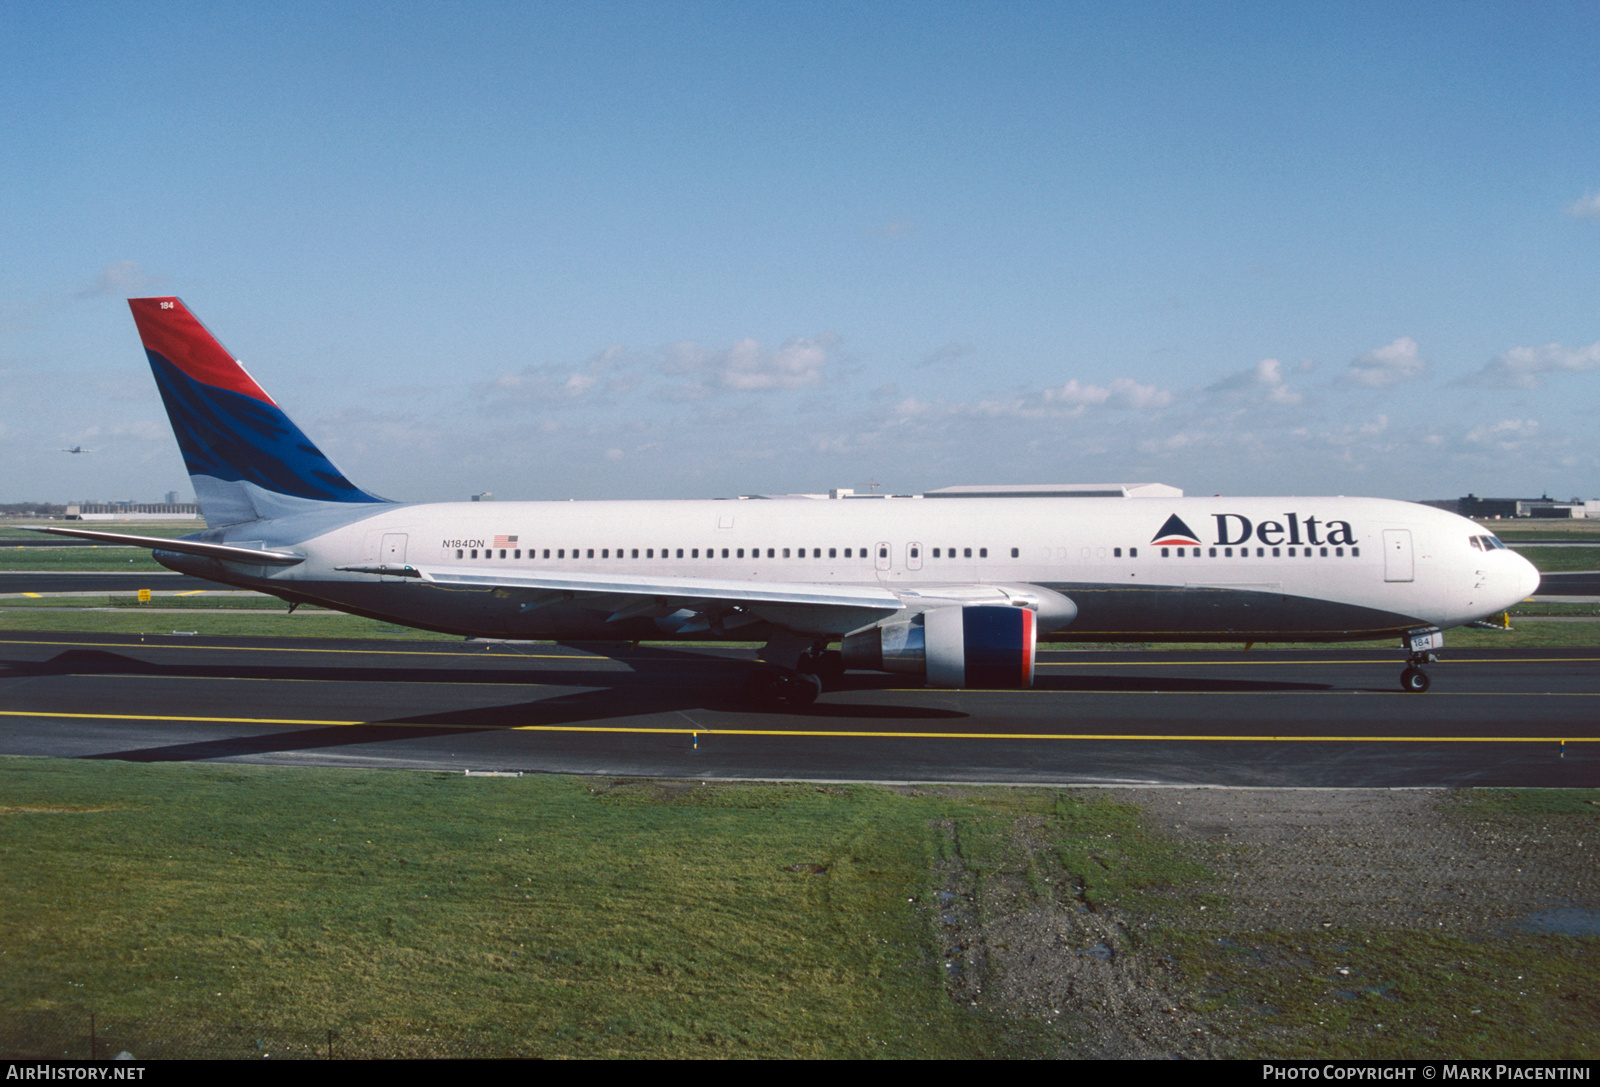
(1487, 543)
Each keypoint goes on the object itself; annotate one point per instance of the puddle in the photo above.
(1564, 921)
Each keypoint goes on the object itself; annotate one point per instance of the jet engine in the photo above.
(975, 646)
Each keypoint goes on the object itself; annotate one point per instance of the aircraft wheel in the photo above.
(802, 689)
(1414, 680)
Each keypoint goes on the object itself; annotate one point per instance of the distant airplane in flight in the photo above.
(955, 586)
(77, 449)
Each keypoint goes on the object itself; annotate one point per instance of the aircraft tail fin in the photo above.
(246, 458)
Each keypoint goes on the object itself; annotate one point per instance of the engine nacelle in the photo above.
(978, 646)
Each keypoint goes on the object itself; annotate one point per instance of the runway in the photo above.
(1309, 718)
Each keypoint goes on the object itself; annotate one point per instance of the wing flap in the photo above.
(674, 591)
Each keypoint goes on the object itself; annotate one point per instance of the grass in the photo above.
(302, 624)
(166, 529)
(1346, 994)
(431, 913)
(234, 910)
(1351, 993)
(1555, 560)
(202, 600)
(94, 558)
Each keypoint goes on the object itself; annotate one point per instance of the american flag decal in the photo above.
(505, 541)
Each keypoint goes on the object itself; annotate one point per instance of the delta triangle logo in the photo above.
(1175, 532)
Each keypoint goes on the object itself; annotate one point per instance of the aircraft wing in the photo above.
(696, 602)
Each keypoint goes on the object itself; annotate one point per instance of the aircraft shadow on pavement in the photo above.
(1169, 684)
(609, 696)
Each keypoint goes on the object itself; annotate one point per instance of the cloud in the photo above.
(1506, 435)
(950, 352)
(1389, 365)
(607, 372)
(1524, 367)
(1265, 378)
(747, 366)
(1124, 393)
(119, 279)
(1588, 207)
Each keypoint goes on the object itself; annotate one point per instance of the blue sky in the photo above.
(683, 250)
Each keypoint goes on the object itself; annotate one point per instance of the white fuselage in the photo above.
(1232, 569)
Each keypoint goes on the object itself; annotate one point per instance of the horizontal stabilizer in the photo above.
(250, 555)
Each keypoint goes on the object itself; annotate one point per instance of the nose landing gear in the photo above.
(1421, 644)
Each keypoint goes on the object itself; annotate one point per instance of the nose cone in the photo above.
(1527, 579)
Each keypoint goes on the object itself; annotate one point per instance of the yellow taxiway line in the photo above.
(820, 733)
(691, 645)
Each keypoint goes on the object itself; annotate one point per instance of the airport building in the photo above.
(1545, 507)
(133, 511)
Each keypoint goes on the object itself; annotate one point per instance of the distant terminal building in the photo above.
(1544, 507)
(133, 511)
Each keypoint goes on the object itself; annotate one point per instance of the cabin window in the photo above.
(771, 552)
(1213, 552)
(605, 552)
(847, 552)
(966, 553)
(1133, 552)
(724, 552)
(1015, 553)
(1338, 552)
(680, 552)
(460, 553)
(474, 552)
(1324, 552)
(1355, 552)
(833, 552)
(694, 553)
(740, 553)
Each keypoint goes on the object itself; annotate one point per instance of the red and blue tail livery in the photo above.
(247, 459)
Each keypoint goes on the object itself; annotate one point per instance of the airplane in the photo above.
(956, 587)
(77, 449)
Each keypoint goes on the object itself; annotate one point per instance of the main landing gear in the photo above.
(769, 686)
(798, 686)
